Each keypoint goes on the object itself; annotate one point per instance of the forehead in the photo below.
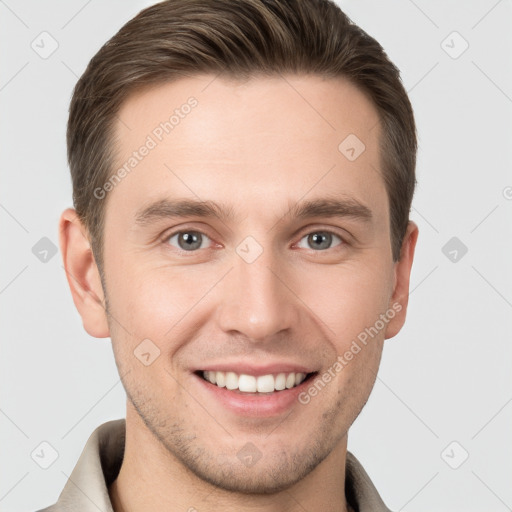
(256, 140)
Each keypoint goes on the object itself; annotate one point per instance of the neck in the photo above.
(152, 479)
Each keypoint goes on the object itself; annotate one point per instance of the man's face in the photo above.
(258, 287)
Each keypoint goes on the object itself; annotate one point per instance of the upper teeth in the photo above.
(252, 384)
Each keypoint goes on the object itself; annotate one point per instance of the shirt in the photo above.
(100, 461)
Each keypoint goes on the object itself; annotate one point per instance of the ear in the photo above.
(400, 298)
(82, 274)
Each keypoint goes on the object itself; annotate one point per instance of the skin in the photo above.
(260, 146)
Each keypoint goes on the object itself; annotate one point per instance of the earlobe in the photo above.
(82, 274)
(400, 296)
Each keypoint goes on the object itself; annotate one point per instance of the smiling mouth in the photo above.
(250, 384)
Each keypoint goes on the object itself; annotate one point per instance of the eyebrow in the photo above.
(331, 208)
(327, 207)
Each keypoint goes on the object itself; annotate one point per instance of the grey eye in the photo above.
(188, 240)
(319, 240)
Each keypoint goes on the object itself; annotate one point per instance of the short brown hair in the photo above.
(236, 39)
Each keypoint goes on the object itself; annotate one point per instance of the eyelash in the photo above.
(167, 237)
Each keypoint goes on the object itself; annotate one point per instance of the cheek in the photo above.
(161, 304)
(347, 299)
(138, 291)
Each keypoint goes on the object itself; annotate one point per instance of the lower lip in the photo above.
(257, 404)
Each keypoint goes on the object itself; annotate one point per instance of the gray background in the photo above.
(445, 378)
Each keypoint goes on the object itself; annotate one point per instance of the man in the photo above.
(243, 172)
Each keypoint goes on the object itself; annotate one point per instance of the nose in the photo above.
(256, 300)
